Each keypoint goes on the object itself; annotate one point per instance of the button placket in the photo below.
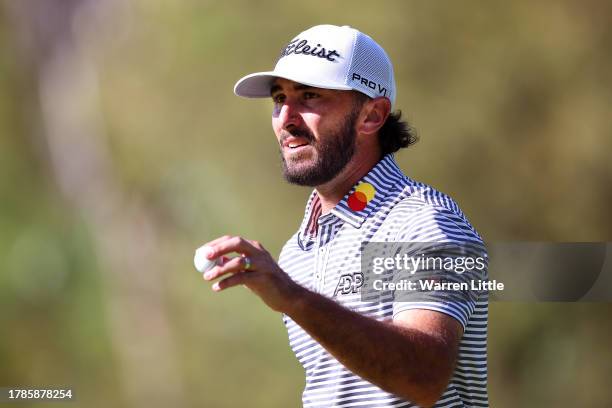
(321, 269)
(319, 264)
(315, 276)
(319, 272)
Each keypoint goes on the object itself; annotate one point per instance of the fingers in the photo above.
(213, 242)
(234, 280)
(235, 267)
(230, 265)
(227, 244)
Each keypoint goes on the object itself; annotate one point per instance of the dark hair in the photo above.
(395, 133)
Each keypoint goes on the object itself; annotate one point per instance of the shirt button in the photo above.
(317, 276)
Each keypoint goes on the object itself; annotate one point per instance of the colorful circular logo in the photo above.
(362, 195)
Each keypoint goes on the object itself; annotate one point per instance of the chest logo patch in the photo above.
(363, 194)
(349, 283)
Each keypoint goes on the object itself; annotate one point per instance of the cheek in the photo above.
(314, 124)
(276, 127)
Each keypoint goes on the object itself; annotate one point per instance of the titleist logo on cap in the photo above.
(329, 57)
(298, 46)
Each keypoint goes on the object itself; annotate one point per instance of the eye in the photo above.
(278, 98)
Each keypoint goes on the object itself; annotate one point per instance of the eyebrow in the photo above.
(297, 87)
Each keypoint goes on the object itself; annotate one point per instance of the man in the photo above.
(333, 91)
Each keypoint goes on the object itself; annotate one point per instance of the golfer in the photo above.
(333, 93)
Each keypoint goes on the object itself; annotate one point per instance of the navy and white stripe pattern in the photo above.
(327, 247)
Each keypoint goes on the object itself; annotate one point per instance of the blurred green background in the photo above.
(123, 148)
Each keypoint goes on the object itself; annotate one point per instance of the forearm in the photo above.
(412, 358)
(406, 362)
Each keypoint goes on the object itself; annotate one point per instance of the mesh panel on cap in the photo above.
(372, 63)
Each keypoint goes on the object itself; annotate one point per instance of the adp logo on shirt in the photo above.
(349, 283)
(363, 194)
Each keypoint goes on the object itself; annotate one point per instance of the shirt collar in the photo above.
(383, 177)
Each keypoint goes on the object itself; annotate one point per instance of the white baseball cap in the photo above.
(328, 56)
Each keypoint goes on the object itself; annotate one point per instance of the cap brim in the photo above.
(258, 85)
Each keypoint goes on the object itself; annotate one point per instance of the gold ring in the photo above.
(247, 263)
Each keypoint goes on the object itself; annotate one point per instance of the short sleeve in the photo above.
(446, 263)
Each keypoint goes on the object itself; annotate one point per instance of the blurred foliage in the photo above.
(511, 101)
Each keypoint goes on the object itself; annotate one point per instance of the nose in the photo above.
(289, 114)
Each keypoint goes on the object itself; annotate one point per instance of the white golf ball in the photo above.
(201, 262)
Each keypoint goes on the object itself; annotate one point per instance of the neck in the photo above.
(333, 191)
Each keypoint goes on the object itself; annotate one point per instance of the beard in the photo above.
(332, 153)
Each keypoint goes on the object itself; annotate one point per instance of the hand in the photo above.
(264, 276)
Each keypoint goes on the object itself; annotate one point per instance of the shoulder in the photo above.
(422, 213)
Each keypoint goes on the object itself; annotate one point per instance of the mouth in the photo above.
(295, 143)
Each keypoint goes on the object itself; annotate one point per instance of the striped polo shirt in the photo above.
(326, 249)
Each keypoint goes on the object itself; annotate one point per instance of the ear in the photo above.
(376, 112)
